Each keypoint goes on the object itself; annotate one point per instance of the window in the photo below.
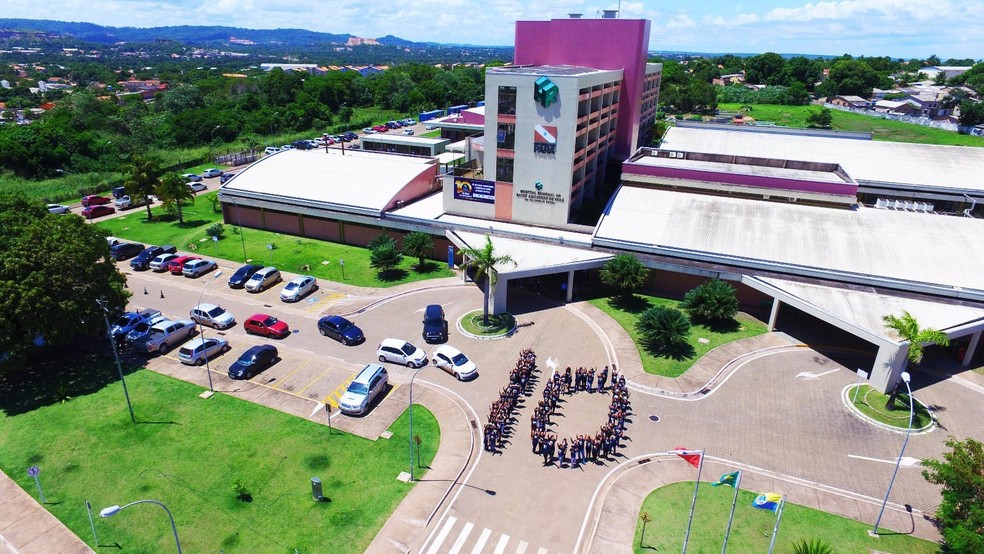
(507, 100)
(505, 136)
(504, 169)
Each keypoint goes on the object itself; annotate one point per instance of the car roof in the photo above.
(259, 316)
(248, 267)
(367, 372)
(447, 350)
(336, 319)
(301, 279)
(199, 261)
(255, 350)
(206, 307)
(396, 343)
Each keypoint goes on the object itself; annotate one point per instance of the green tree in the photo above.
(815, 546)
(971, 113)
(822, 119)
(485, 261)
(664, 329)
(143, 177)
(624, 272)
(961, 514)
(764, 69)
(172, 191)
(53, 270)
(907, 328)
(379, 240)
(714, 300)
(385, 257)
(418, 245)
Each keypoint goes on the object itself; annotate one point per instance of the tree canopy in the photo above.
(961, 514)
(624, 272)
(485, 261)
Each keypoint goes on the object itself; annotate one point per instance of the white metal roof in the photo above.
(360, 179)
(865, 308)
(945, 251)
(532, 256)
(956, 167)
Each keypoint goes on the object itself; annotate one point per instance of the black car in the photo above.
(125, 250)
(340, 329)
(253, 361)
(302, 145)
(435, 326)
(225, 177)
(239, 278)
(143, 259)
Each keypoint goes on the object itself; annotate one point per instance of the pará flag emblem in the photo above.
(692, 456)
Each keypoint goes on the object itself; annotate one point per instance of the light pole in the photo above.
(217, 127)
(113, 510)
(272, 119)
(201, 329)
(908, 431)
(116, 353)
(410, 438)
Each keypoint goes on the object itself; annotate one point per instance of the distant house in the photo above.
(950, 71)
(729, 79)
(850, 101)
(929, 104)
(288, 67)
(903, 107)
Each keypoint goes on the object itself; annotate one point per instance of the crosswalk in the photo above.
(455, 539)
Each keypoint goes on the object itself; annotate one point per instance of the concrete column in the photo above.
(774, 314)
(974, 340)
(570, 285)
(499, 295)
(889, 361)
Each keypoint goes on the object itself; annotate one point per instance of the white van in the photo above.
(363, 390)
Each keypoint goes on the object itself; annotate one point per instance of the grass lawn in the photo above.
(872, 404)
(628, 315)
(499, 324)
(188, 452)
(669, 507)
(882, 129)
(291, 253)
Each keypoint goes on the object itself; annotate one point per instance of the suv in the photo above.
(361, 392)
(125, 250)
(263, 279)
(435, 326)
(199, 350)
(165, 335)
(144, 259)
(401, 352)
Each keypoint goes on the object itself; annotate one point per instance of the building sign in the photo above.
(545, 92)
(545, 139)
(539, 197)
(474, 190)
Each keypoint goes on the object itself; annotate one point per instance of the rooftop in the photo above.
(550, 70)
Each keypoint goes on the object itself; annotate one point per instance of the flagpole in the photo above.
(731, 518)
(775, 530)
(693, 503)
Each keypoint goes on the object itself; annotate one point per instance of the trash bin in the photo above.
(316, 489)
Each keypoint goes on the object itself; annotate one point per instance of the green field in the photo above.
(669, 508)
(188, 453)
(627, 315)
(872, 403)
(881, 129)
(290, 253)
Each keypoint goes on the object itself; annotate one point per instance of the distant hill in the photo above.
(185, 34)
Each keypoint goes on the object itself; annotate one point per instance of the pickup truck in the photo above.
(166, 335)
(127, 202)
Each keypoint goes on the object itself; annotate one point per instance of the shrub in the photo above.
(242, 491)
(815, 546)
(624, 272)
(379, 240)
(715, 300)
(215, 230)
(385, 257)
(664, 328)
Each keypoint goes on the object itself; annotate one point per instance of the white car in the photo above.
(369, 131)
(195, 352)
(211, 172)
(197, 268)
(192, 177)
(214, 316)
(298, 288)
(407, 132)
(409, 121)
(59, 209)
(401, 352)
(271, 150)
(451, 359)
(197, 187)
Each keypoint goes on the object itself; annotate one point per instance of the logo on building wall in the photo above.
(545, 92)
(474, 190)
(544, 139)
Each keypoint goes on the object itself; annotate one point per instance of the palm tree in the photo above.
(418, 245)
(172, 191)
(485, 260)
(143, 177)
(624, 272)
(907, 328)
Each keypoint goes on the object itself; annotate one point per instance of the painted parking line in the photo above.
(325, 301)
(313, 381)
(285, 378)
(334, 395)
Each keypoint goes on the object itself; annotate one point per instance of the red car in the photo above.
(266, 325)
(95, 200)
(380, 128)
(176, 266)
(90, 212)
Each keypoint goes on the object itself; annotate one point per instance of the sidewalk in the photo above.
(27, 528)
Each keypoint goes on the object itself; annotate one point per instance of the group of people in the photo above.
(500, 413)
(581, 449)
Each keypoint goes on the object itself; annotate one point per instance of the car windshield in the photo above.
(358, 388)
(408, 349)
(291, 286)
(246, 360)
(123, 321)
(141, 327)
(270, 321)
(460, 359)
(215, 312)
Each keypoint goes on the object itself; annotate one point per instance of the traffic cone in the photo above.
(145, 290)
(162, 294)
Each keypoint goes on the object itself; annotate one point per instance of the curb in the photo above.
(505, 335)
(860, 415)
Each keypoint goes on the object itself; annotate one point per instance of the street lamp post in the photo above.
(908, 431)
(217, 127)
(116, 353)
(201, 328)
(113, 510)
(410, 438)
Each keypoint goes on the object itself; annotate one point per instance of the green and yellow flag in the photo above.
(727, 479)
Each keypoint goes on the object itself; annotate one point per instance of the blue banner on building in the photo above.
(474, 190)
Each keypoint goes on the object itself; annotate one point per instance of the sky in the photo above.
(896, 28)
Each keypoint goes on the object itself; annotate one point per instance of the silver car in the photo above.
(298, 288)
(196, 352)
(197, 268)
(213, 316)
